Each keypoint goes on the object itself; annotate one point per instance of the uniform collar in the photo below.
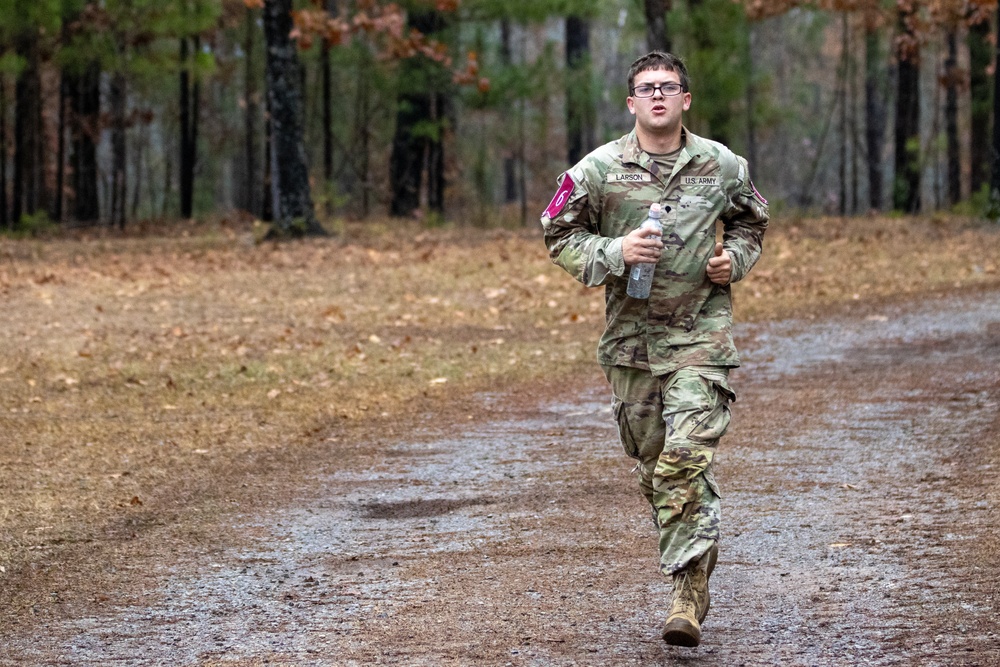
(633, 154)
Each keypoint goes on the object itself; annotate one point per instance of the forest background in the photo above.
(119, 111)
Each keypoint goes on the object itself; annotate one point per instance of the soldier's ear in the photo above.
(631, 104)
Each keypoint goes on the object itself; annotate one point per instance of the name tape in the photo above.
(700, 180)
(630, 177)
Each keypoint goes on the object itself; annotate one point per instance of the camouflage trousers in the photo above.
(671, 424)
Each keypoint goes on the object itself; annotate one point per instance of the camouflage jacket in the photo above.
(687, 319)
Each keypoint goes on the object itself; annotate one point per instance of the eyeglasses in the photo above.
(666, 89)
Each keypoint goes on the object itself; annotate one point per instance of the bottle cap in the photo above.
(655, 210)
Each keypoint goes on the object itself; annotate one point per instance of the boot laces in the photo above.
(684, 595)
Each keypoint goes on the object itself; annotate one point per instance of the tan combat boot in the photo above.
(690, 602)
(706, 564)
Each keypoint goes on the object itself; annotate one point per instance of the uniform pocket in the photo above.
(624, 431)
(718, 416)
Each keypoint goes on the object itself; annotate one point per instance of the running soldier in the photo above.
(667, 357)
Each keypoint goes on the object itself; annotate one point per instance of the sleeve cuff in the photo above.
(615, 258)
(736, 273)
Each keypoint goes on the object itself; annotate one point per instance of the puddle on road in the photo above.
(318, 569)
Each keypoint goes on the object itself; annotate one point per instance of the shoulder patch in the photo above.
(560, 198)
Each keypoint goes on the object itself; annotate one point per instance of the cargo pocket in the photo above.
(716, 421)
(624, 431)
(712, 484)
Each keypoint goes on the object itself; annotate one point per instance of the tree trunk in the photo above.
(4, 211)
(117, 100)
(580, 110)
(845, 45)
(855, 142)
(267, 205)
(362, 130)
(421, 108)
(408, 149)
(292, 201)
(906, 186)
(66, 81)
(874, 116)
(443, 117)
(57, 198)
(168, 184)
(327, 95)
(189, 103)
(509, 161)
(995, 176)
(440, 112)
(853, 125)
(251, 198)
(28, 133)
(85, 105)
(980, 61)
(952, 75)
(141, 143)
(195, 117)
(522, 151)
(657, 38)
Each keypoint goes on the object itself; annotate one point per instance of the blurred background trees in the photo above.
(467, 110)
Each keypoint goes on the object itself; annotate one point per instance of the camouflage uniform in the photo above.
(667, 358)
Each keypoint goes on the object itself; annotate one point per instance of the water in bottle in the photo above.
(640, 278)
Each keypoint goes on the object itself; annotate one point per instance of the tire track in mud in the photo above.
(860, 507)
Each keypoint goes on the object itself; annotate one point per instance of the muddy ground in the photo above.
(861, 503)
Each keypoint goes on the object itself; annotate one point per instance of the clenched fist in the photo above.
(720, 266)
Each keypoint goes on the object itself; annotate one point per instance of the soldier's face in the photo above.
(659, 113)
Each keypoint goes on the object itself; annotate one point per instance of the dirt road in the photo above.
(861, 507)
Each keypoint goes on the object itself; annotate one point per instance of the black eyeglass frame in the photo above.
(659, 87)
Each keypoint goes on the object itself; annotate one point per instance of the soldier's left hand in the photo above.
(720, 267)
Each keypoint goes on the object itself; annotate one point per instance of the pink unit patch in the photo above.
(561, 197)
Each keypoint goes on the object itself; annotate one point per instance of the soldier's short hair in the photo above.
(658, 60)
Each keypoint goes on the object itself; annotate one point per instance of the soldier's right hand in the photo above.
(641, 246)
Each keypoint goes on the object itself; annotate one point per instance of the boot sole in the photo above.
(681, 633)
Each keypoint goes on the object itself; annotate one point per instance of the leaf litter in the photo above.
(124, 356)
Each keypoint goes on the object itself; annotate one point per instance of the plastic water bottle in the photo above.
(640, 278)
